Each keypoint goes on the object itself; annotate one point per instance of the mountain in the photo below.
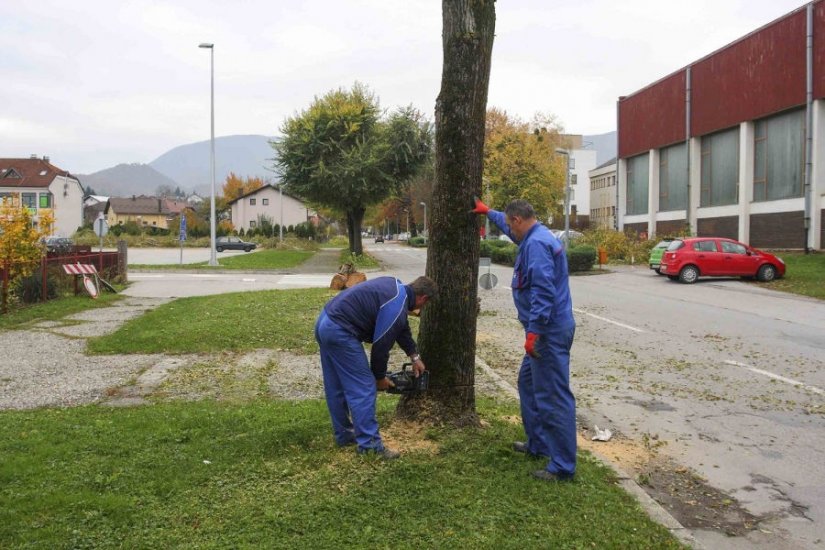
(604, 144)
(188, 164)
(125, 180)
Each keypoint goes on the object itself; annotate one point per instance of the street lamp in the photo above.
(424, 204)
(566, 153)
(213, 259)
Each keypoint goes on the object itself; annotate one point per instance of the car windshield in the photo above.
(675, 245)
(662, 244)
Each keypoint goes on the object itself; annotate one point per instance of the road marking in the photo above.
(790, 381)
(245, 280)
(135, 276)
(305, 280)
(606, 320)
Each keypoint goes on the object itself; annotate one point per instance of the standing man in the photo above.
(542, 297)
(375, 312)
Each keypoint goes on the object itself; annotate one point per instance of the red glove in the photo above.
(530, 344)
(480, 208)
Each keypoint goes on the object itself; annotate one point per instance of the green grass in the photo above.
(238, 321)
(805, 274)
(358, 261)
(53, 310)
(265, 259)
(266, 474)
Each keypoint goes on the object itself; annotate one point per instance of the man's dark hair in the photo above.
(424, 286)
(520, 208)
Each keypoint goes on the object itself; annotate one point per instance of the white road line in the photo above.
(135, 276)
(245, 280)
(606, 320)
(790, 381)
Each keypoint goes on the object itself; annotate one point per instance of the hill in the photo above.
(125, 180)
(188, 165)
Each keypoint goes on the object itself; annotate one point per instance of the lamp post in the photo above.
(566, 235)
(213, 259)
(281, 225)
(424, 204)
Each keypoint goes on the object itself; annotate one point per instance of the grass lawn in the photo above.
(266, 474)
(53, 310)
(265, 259)
(805, 274)
(360, 261)
(238, 321)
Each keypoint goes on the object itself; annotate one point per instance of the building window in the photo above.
(673, 181)
(252, 224)
(720, 168)
(10, 198)
(45, 200)
(779, 157)
(30, 200)
(251, 202)
(265, 202)
(638, 169)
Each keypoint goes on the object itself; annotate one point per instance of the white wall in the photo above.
(585, 161)
(294, 211)
(67, 202)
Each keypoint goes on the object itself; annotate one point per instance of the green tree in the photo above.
(341, 153)
(448, 325)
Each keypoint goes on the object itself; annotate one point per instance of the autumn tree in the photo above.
(448, 325)
(235, 186)
(20, 241)
(342, 152)
(520, 162)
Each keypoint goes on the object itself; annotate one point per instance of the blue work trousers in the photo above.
(349, 386)
(548, 408)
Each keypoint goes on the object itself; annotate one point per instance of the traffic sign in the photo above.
(101, 226)
(182, 227)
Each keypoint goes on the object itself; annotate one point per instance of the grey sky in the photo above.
(96, 83)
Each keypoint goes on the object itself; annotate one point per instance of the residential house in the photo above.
(42, 187)
(268, 201)
(93, 206)
(144, 211)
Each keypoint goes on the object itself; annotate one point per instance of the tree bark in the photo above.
(448, 325)
(355, 217)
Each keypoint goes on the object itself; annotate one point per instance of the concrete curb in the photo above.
(653, 509)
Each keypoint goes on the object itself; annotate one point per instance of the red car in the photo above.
(690, 258)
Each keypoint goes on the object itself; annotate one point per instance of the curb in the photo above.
(653, 509)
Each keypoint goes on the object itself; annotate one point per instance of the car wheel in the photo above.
(766, 273)
(689, 274)
(658, 271)
(247, 249)
(219, 249)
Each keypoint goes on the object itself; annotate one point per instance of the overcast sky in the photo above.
(96, 83)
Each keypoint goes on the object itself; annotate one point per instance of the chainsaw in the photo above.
(406, 383)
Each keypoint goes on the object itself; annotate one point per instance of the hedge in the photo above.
(581, 258)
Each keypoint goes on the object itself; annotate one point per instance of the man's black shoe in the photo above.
(386, 454)
(544, 475)
(521, 447)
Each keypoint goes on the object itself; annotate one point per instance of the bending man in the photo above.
(542, 297)
(376, 312)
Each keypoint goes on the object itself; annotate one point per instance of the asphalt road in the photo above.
(724, 378)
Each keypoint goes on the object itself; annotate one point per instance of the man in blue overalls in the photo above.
(374, 311)
(542, 297)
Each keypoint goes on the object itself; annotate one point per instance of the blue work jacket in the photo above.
(376, 312)
(541, 290)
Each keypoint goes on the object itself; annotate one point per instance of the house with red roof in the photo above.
(41, 187)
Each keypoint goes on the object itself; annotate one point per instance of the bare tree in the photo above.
(448, 326)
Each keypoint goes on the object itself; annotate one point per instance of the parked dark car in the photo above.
(688, 259)
(379, 238)
(59, 245)
(233, 243)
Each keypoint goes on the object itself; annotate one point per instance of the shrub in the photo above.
(581, 258)
(418, 242)
(28, 289)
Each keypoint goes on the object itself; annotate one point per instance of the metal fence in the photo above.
(49, 271)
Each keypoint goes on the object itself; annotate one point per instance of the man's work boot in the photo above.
(544, 475)
(386, 454)
(521, 447)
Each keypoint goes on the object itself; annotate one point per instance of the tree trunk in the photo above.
(355, 217)
(448, 325)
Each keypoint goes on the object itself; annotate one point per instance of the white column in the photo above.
(695, 172)
(653, 192)
(745, 189)
(818, 175)
(621, 183)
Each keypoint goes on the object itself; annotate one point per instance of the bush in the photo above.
(418, 242)
(28, 289)
(581, 258)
